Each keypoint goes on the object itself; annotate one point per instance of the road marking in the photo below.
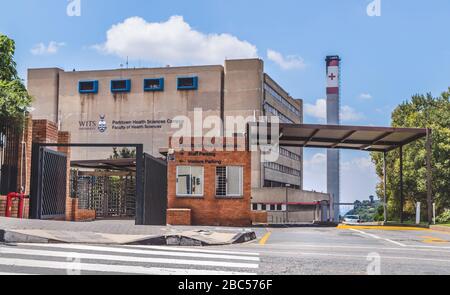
(110, 268)
(365, 256)
(144, 252)
(433, 240)
(264, 239)
(407, 248)
(79, 255)
(16, 274)
(194, 249)
(378, 238)
(375, 227)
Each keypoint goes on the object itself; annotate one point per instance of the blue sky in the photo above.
(386, 59)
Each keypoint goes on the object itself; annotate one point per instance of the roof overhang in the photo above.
(365, 138)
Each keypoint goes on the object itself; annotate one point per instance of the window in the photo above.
(187, 83)
(272, 207)
(190, 181)
(281, 99)
(229, 181)
(263, 207)
(88, 87)
(255, 207)
(279, 207)
(154, 84)
(120, 85)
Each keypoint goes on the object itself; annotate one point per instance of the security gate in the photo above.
(49, 184)
(155, 191)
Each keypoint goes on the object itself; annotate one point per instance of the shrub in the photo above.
(444, 217)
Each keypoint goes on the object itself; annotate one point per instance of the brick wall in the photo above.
(179, 216)
(45, 131)
(210, 210)
(259, 217)
(15, 207)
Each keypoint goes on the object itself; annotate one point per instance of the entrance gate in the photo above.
(49, 185)
(155, 191)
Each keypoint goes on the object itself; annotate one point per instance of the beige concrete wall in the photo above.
(278, 195)
(243, 97)
(43, 86)
(136, 105)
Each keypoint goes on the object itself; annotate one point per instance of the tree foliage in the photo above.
(14, 98)
(423, 111)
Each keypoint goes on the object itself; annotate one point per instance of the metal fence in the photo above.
(9, 156)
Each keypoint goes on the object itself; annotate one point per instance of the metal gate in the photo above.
(9, 156)
(155, 191)
(49, 184)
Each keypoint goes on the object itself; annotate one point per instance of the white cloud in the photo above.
(361, 164)
(350, 114)
(317, 159)
(365, 96)
(289, 62)
(319, 111)
(42, 49)
(172, 42)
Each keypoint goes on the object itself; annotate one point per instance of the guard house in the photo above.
(209, 187)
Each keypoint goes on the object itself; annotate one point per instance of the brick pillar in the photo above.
(71, 205)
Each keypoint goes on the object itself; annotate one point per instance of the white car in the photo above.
(352, 219)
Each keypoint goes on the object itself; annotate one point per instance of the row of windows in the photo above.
(124, 85)
(270, 183)
(281, 99)
(190, 181)
(282, 168)
(289, 154)
(270, 109)
(268, 207)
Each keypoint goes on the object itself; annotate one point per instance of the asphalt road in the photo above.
(304, 251)
(352, 251)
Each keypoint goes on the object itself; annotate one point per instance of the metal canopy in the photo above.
(110, 164)
(366, 138)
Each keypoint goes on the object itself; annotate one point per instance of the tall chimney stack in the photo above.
(333, 106)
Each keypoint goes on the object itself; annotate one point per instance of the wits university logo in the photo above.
(101, 125)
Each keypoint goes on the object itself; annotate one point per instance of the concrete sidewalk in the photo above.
(118, 232)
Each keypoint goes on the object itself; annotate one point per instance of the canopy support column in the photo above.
(401, 186)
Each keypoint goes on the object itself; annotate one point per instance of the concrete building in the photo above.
(139, 105)
(286, 205)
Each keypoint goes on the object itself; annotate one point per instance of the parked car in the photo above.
(352, 219)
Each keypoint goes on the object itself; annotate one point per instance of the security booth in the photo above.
(209, 186)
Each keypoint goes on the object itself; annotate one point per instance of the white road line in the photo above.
(407, 248)
(378, 238)
(196, 250)
(110, 268)
(382, 257)
(6, 250)
(144, 252)
(16, 274)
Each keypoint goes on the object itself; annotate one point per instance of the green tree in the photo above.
(14, 98)
(423, 111)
